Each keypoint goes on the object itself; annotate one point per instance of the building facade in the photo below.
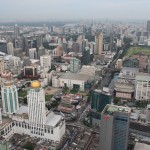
(75, 65)
(34, 120)
(10, 48)
(33, 53)
(45, 61)
(86, 56)
(99, 43)
(9, 94)
(114, 128)
(99, 100)
(142, 87)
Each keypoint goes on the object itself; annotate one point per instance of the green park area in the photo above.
(48, 97)
(22, 93)
(138, 50)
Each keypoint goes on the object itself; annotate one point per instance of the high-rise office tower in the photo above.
(32, 53)
(9, 94)
(1, 64)
(41, 51)
(114, 128)
(45, 61)
(0, 116)
(75, 65)
(26, 61)
(10, 48)
(148, 113)
(148, 26)
(58, 51)
(3, 46)
(86, 56)
(84, 44)
(100, 99)
(99, 43)
(36, 108)
(16, 31)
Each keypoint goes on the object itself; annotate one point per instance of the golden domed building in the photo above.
(35, 84)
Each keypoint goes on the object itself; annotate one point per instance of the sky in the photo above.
(46, 10)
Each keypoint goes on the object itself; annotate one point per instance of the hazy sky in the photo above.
(37, 10)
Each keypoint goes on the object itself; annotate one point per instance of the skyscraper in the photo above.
(86, 56)
(36, 108)
(99, 100)
(45, 61)
(0, 116)
(148, 113)
(1, 64)
(9, 97)
(75, 65)
(10, 48)
(99, 43)
(32, 53)
(16, 31)
(84, 44)
(148, 26)
(114, 128)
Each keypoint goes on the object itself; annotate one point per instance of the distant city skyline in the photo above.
(46, 10)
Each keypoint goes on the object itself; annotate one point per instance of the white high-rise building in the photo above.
(142, 86)
(32, 53)
(9, 94)
(45, 61)
(36, 108)
(10, 48)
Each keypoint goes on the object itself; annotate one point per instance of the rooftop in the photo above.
(141, 146)
(111, 109)
(53, 119)
(73, 76)
(142, 76)
(131, 69)
(5, 122)
(22, 110)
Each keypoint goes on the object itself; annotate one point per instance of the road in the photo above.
(79, 125)
(107, 78)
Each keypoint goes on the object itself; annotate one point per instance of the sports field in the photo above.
(138, 50)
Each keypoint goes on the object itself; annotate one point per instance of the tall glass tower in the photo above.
(9, 97)
(114, 128)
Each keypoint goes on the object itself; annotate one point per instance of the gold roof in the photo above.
(35, 84)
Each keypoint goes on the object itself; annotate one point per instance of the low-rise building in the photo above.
(124, 89)
(74, 81)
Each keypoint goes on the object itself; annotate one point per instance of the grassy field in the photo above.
(138, 50)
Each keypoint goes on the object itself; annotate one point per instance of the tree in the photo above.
(116, 100)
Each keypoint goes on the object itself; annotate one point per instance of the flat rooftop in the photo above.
(111, 109)
(53, 119)
(73, 76)
(22, 110)
(141, 146)
(142, 76)
(130, 69)
(5, 122)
